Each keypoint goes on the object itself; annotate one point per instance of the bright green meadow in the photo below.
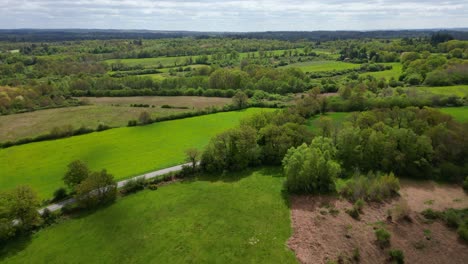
(459, 113)
(317, 66)
(236, 218)
(458, 90)
(395, 72)
(124, 152)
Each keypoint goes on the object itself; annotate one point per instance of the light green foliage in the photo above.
(194, 221)
(311, 168)
(123, 151)
(97, 189)
(383, 237)
(373, 187)
(76, 173)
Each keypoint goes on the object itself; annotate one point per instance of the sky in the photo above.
(234, 15)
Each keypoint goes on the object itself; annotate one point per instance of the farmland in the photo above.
(395, 72)
(318, 66)
(124, 152)
(213, 219)
(458, 90)
(459, 113)
(113, 111)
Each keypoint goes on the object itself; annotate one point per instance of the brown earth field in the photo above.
(319, 237)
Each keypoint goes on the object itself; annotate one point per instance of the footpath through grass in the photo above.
(124, 152)
(236, 218)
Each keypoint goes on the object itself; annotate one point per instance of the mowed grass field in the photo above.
(458, 90)
(395, 72)
(124, 152)
(111, 111)
(459, 113)
(237, 218)
(318, 66)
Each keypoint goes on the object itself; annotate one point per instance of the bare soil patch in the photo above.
(320, 236)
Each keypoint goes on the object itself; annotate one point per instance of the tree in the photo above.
(192, 155)
(144, 118)
(24, 206)
(240, 100)
(311, 169)
(97, 189)
(76, 173)
(7, 229)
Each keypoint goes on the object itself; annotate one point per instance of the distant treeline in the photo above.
(22, 35)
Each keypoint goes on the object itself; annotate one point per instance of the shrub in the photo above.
(452, 218)
(371, 187)
(383, 237)
(431, 214)
(400, 211)
(463, 232)
(359, 204)
(153, 187)
(397, 256)
(59, 194)
(133, 185)
(49, 217)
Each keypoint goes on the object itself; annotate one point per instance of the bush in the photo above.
(359, 204)
(400, 211)
(452, 218)
(431, 214)
(153, 187)
(133, 185)
(383, 237)
(49, 217)
(59, 194)
(132, 123)
(463, 232)
(371, 187)
(397, 256)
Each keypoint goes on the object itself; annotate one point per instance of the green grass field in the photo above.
(111, 111)
(124, 152)
(240, 218)
(395, 72)
(337, 117)
(317, 66)
(459, 113)
(458, 90)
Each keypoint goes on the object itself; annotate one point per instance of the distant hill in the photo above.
(33, 35)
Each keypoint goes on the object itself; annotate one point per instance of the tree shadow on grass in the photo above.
(14, 246)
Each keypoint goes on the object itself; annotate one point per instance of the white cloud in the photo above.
(233, 15)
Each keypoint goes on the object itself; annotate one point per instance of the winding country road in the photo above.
(120, 184)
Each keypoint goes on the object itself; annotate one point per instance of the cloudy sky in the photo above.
(233, 15)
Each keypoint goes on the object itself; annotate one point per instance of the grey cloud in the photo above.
(233, 15)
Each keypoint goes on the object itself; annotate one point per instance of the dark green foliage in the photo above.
(383, 237)
(76, 173)
(454, 218)
(132, 123)
(431, 214)
(60, 194)
(397, 256)
(49, 217)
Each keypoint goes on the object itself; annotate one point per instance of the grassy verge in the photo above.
(236, 218)
(124, 152)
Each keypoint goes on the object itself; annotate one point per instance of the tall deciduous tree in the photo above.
(76, 173)
(98, 188)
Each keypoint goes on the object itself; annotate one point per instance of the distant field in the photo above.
(458, 90)
(317, 66)
(176, 61)
(337, 117)
(459, 113)
(395, 72)
(13, 127)
(124, 152)
(239, 218)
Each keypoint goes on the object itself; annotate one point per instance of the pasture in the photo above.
(234, 218)
(337, 117)
(458, 90)
(124, 152)
(110, 111)
(459, 113)
(395, 72)
(318, 66)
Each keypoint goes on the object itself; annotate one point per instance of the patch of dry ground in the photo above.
(196, 102)
(319, 236)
